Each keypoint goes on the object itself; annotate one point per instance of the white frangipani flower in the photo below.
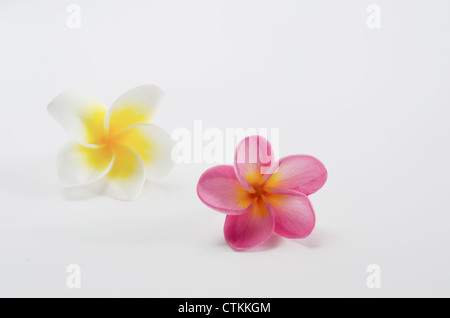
(118, 147)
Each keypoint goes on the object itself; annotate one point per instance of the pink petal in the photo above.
(219, 189)
(301, 173)
(253, 159)
(294, 215)
(250, 229)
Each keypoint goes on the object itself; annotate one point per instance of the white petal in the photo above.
(153, 145)
(126, 178)
(80, 165)
(80, 115)
(136, 106)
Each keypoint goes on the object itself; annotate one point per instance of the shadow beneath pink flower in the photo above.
(315, 240)
(273, 242)
(221, 243)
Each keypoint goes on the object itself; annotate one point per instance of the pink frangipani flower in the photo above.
(261, 196)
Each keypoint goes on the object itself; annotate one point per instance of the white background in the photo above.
(371, 104)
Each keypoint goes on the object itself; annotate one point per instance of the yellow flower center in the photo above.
(258, 194)
(258, 191)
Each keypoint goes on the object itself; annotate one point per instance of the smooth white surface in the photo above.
(372, 105)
